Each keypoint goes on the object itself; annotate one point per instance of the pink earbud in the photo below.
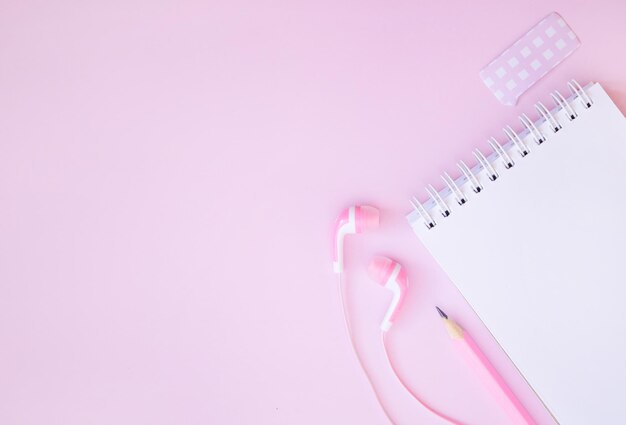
(392, 276)
(355, 219)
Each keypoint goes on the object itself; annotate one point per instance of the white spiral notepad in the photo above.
(537, 245)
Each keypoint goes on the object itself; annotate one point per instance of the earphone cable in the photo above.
(415, 396)
(348, 326)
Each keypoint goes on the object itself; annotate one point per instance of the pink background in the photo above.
(169, 175)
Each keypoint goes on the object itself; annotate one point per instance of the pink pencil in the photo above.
(488, 374)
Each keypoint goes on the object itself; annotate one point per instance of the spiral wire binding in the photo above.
(558, 98)
(470, 176)
(513, 136)
(436, 198)
(493, 175)
(460, 199)
(428, 220)
(497, 147)
(532, 129)
(443, 207)
(578, 91)
(547, 115)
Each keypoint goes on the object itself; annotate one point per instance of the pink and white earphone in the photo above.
(356, 219)
(387, 273)
(392, 276)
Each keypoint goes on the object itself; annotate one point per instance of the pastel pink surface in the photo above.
(169, 176)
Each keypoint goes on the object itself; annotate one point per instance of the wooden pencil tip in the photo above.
(441, 313)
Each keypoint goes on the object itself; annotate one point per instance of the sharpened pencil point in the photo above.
(441, 313)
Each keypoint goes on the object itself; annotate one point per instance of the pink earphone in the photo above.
(356, 219)
(384, 271)
(392, 276)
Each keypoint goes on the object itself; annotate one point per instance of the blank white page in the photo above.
(540, 254)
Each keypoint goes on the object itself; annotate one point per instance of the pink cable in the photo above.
(346, 318)
(415, 396)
